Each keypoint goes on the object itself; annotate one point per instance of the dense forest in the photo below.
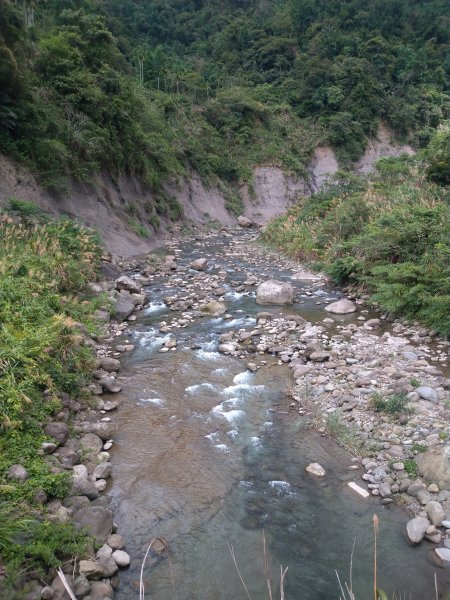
(153, 88)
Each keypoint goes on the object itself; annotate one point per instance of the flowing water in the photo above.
(207, 456)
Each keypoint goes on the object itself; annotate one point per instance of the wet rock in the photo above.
(201, 264)
(341, 307)
(108, 565)
(275, 292)
(96, 520)
(385, 490)
(84, 487)
(316, 469)
(416, 528)
(127, 284)
(18, 473)
(427, 393)
(58, 431)
(121, 557)
(444, 555)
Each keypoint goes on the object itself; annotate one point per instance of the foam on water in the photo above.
(238, 322)
(222, 447)
(244, 388)
(192, 389)
(212, 436)
(155, 307)
(151, 339)
(243, 377)
(220, 371)
(281, 487)
(230, 415)
(255, 441)
(154, 401)
(208, 356)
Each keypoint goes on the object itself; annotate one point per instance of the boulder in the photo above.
(81, 586)
(91, 443)
(91, 569)
(201, 264)
(102, 471)
(435, 512)
(115, 541)
(58, 430)
(101, 590)
(316, 469)
(110, 364)
(434, 466)
(127, 284)
(109, 384)
(214, 308)
(416, 528)
(17, 472)
(123, 308)
(244, 222)
(341, 307)
(427, 393)
(122, 558)
(275, 292)
(96, 520)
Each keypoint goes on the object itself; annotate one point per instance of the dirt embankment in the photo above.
(115, 206)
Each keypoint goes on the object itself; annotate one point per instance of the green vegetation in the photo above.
(44, 309)
(153, 89)
(389, 235)
(345, 435)
(394, 405)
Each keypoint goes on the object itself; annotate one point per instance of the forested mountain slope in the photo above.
(154, 88)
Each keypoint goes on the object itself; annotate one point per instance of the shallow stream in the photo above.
(207, 455)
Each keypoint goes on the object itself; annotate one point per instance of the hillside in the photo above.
(159, 88)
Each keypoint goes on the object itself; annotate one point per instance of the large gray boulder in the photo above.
(434, 466)
(201, 264)
(416, 528)
(244, 222)
(341, 307)
(124, 307)
(126, 283)
(214, 308)
(96, 520)
(275, 292)
(427, 393)
(58, 430)
(435, 512)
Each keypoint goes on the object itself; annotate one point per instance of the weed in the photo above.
(138, 228)
(346, 436)
(393, 405)
(419, 447)
(443, 435)
(415, 383)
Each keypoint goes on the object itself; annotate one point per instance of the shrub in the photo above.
(393, 405)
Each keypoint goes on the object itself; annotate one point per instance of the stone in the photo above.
(67, 457)
(427, 393)
(435, 512)
(341, 307)
(385, 490)
(434, 466)
(244, 222)
(275, 292)
(48, 447)
(102, 471)
(110, 364)
(443, 554)
(201, 264)
(115, 541)
(17, 472)
(59, 589)
(416, 528)
(126, 283)
(96, 520)
(81, 586)
(91, 569)
(214, 308)
(433, 488)
(47, 593)
(101, 590)
(109, 566)
(91, 443)
(316, 469)
(104, 551)
(82, 486)
(320, 356)
(57, 430)
(123, 308)
(423, 496)
(122, 558)
(414, 489)
(109, 384)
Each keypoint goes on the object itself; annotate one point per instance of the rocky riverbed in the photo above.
(379, 386)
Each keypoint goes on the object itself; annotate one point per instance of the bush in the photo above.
(393, 405)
